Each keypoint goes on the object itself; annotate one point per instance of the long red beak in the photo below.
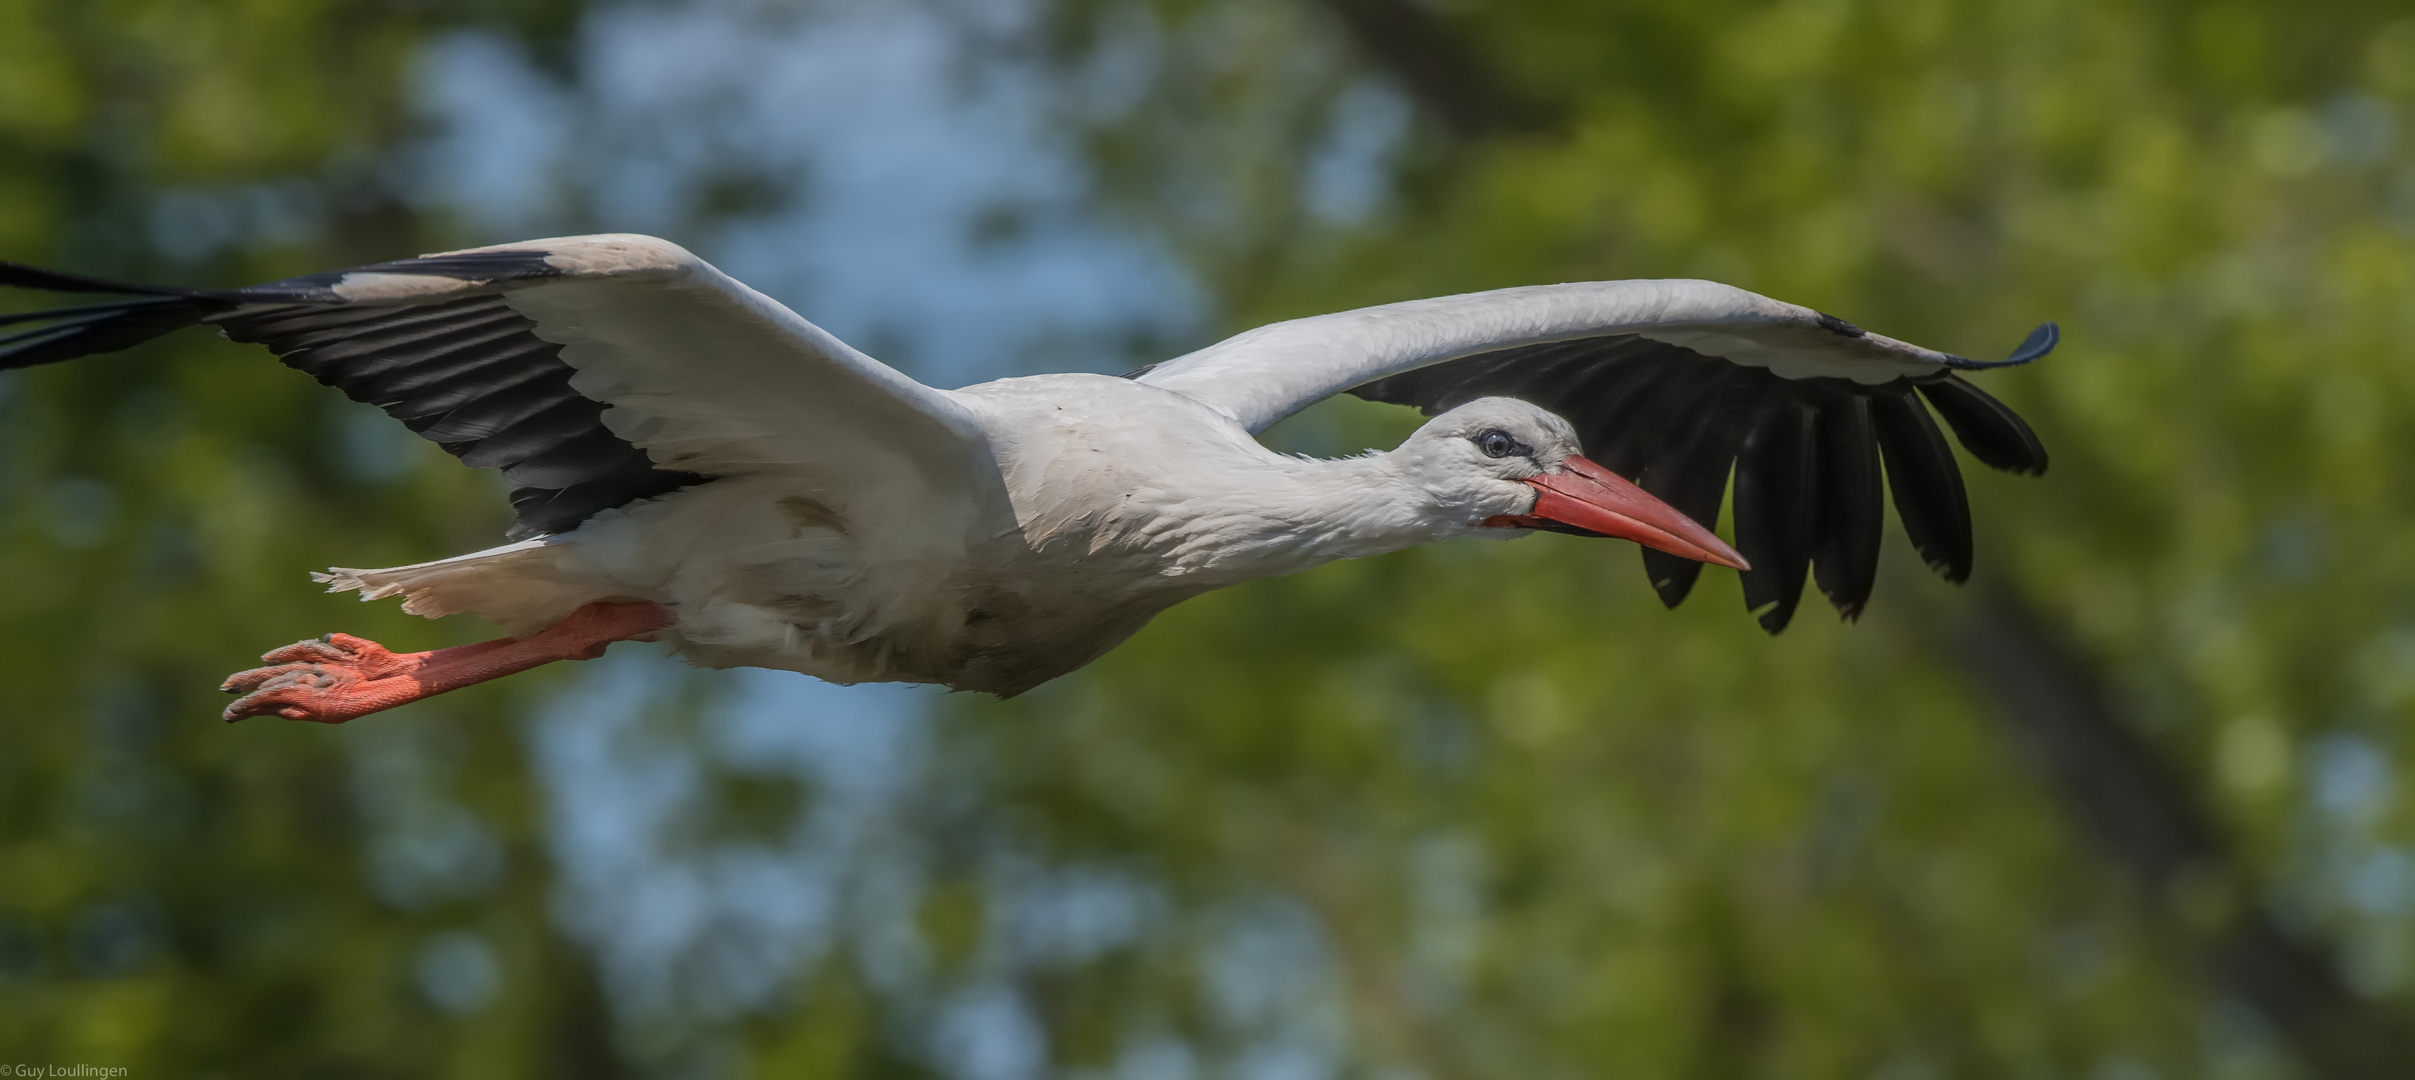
(1586, 496)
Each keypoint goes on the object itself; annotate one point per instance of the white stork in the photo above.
(694, 464)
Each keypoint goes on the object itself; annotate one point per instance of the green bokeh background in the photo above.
(1510, 816)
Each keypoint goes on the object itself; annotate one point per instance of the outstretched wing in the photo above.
(1676, 384)
(593, 371)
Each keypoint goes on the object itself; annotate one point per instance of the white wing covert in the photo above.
(1678, 385)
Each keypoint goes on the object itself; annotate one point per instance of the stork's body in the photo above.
(696, 465)
(1116, 500)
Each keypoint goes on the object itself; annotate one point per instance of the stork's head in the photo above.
(1501, 463)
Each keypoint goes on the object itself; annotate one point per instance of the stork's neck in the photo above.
(1285, 515)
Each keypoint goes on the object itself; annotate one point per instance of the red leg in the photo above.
(339, 677)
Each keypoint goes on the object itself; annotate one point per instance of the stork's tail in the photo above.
(520, 587)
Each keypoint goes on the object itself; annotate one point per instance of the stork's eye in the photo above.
(1499, 443)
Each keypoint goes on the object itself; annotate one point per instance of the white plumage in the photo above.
(799, 505)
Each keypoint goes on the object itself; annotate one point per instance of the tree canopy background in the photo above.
(2128, 805)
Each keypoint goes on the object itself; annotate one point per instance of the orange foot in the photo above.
(339, 676)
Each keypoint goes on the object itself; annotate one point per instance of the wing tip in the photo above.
(1775, 616)
(19, 275)
(2039, 342)
(1989, 429)
(1672, 577)
(1955, 570)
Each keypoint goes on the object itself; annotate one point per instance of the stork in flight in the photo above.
(692, 463)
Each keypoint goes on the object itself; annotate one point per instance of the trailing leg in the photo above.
(339, 677)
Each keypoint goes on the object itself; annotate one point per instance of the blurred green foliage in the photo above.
(1677, 848)
(1477, 810)
(178, 897)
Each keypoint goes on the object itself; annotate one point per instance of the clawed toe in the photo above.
(319, 680)
(244, 682)
(292, 691)
(266, 705)
(321, 649)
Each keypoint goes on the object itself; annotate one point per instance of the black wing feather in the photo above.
(436, 397)
(1927, 485)
(560, 421)
(96, 328)
(1812, 459)
(565, 463)
(495, 415)
(1774, 512)
(469, 373)
(1990, 431)
(1639, 432)
(399, 345)
(1693, 478)
(1628, 400)
(1852, 504)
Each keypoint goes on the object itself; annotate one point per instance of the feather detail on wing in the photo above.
(592, 370)
(1678, 385)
